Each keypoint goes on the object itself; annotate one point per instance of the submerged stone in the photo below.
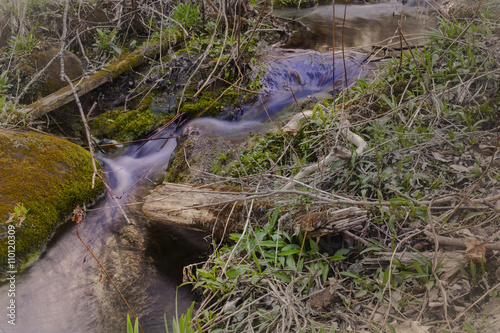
(42, 179)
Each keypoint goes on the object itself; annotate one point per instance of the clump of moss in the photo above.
(127, 126)
(48, 176)
(178, 166)
(205, 106)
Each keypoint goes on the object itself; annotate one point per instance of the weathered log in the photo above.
(115, 69)
(295, 124)
(331, 221)
(461, 243)
(449, 261)
(221, 212)
(335, 154)
(185, 205)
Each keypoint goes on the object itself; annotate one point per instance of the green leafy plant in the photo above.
(187, 14)
(105, 45)
(184, 323)
(21, 45)
(260, 256)
(19, 214)
(4, 82)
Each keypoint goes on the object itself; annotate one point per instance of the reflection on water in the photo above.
(365, 25)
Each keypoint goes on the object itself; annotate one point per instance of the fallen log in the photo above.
(295, 124)
(187, 206)
(331, 221)
(222, 210)
(65, 95)
(450, 261)
(293, 127)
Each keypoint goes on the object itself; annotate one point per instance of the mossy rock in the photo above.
(48, 176)
(52, 82)
(205, 106)
(194, 159)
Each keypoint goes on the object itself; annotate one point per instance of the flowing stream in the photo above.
(65, 290)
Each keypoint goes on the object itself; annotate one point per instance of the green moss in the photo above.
(145, 102)
(47, 175)
(178, 166)
(124, 63)
(127, 126)
(205, 106)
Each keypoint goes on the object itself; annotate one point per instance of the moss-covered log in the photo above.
(115, 69)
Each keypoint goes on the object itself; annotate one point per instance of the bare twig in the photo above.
(86, 126)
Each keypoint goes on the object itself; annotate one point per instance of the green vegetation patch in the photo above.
(205, 105)
(126, 126)
(271, 151)
(43, 178)
(263, 262)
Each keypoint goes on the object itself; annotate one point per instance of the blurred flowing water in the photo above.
(65, 291)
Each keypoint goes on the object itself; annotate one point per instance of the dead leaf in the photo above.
(322, 299)
(459, 168)
(440, 157)
(475, 250)
(451, 263)
(486, 150)
(410, 327)
(465, 232)
(396, 297)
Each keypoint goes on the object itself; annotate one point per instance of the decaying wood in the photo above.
(334, 155)
(295, 124)
(213, 210)
(383, 259)
(116, 68)
(185, 205)
(459, 242)
(331, 221)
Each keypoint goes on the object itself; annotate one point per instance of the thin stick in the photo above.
(86, 126)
